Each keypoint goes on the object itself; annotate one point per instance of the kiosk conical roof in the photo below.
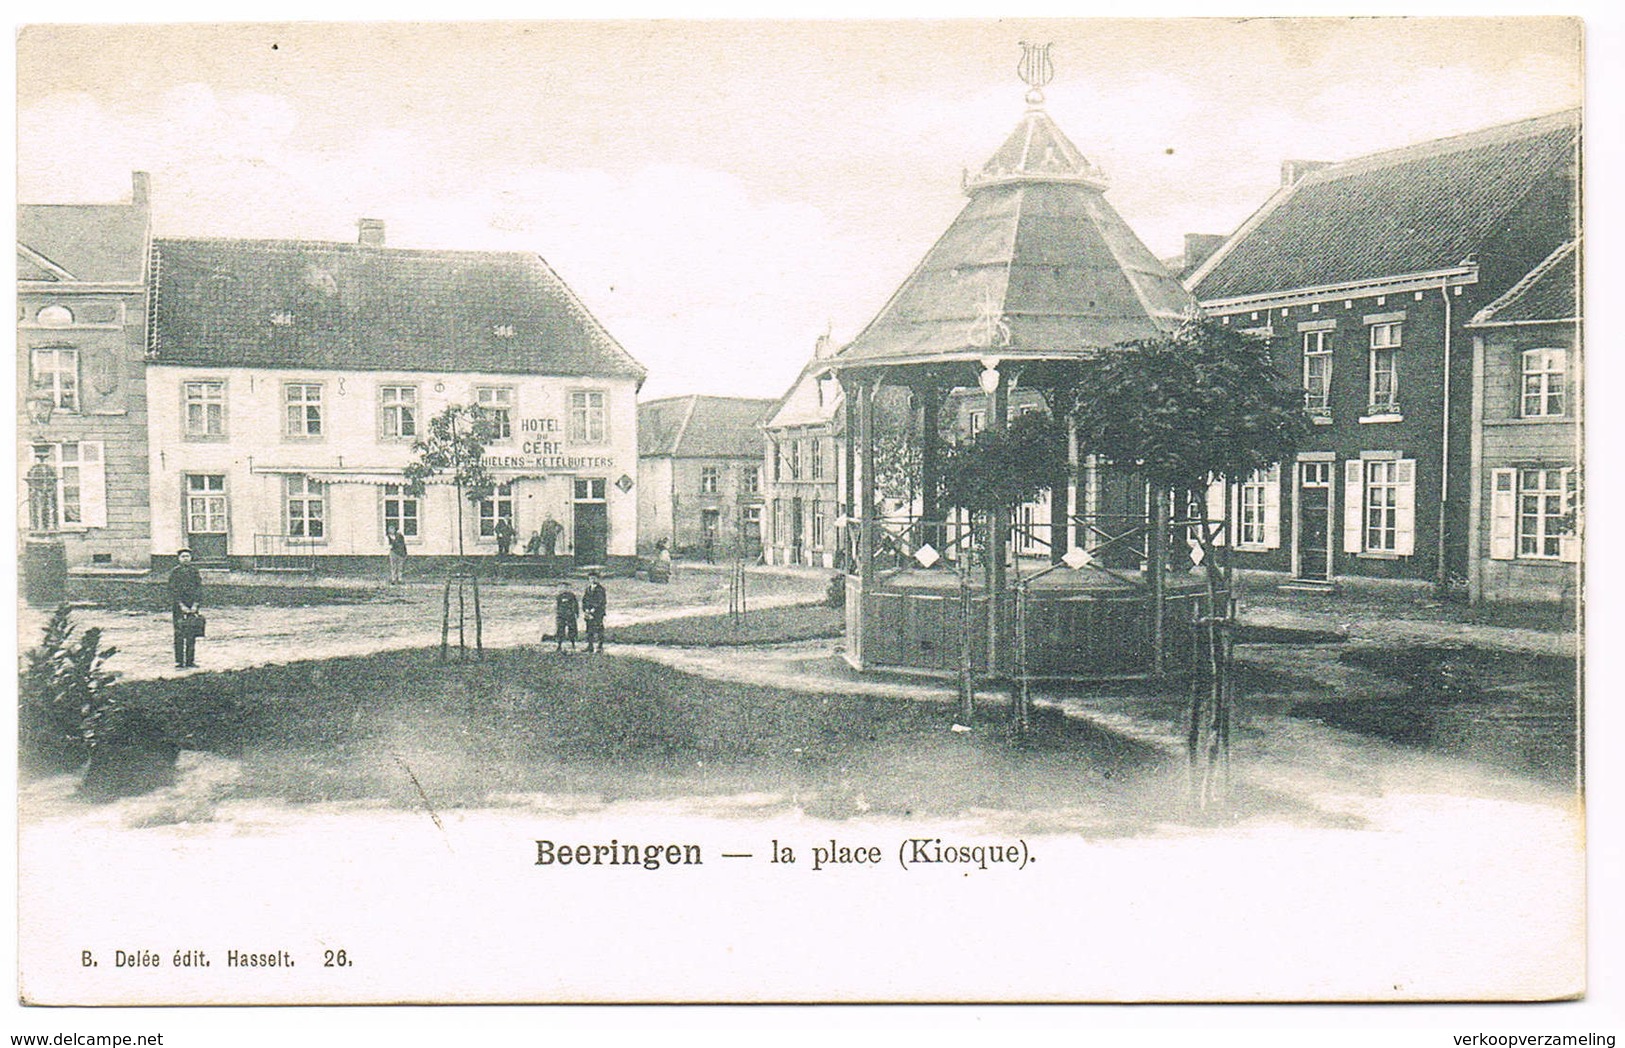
(1037, 266)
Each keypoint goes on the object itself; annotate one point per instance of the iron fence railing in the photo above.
(293, 553)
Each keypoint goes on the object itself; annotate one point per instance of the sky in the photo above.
(721, 193)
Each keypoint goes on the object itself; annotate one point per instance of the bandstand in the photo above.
(1100, 580)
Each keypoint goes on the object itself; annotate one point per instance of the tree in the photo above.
(1002, 470)
(1206, 401)
(455, 445)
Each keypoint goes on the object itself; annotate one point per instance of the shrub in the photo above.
(64, 706)
(835, 593)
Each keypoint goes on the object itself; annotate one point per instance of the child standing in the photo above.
(565, 611)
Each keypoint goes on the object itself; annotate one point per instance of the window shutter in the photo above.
(1569, 545)
(92, 484)
(1503, 514)
(1405, 508)
(1215, 511)
(1272, 507)
(1353, 505)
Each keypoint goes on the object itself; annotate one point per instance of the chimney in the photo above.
(823, 347)
(140, 189)
(1199, 247)
(1292, 171)
(371, 232)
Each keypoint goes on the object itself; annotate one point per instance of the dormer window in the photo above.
(281, 319)
(502, 330)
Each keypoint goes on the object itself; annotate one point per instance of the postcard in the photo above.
(778, 512)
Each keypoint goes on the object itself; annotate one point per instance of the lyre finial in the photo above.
(1036, 70)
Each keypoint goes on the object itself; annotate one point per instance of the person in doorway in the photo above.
(551, 530)
(504, 535)
(565, 610)
(533, 545)
(594, 602)
(185, 598)
(397, 555)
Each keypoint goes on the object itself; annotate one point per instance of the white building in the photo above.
(289, 379)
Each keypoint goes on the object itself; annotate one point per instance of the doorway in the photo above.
(1312, 523)
(591, 521)
(206, 517)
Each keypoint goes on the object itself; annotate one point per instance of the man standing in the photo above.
(565, 609)
(504, 535)
(397, 555)
(594, 602)
(185, 595)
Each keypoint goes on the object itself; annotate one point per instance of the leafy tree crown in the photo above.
(1205, 401)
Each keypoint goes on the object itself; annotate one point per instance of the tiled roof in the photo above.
(1037, 264)
(1413, 210)
(1549, 292)
(288, 303)
(702, 427)
(91, 243)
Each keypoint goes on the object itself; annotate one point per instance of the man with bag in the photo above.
(185, 596)
(594, 602)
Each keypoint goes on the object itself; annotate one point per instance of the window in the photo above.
(710, 479)
(587, 417)
(1544, 373)
(1545, 511)
(1385, 342)
(497, 401)
(54, 317)
(1379, 505)
(589, 489)
(402, 511)
(304, 409)
(795, 460)
(976, 421)
(817, 524)
(1255, 510)
(1533, 513)
(750, 481)
(815, 451)
(400, 412)
(498, 507)
(778, 462)
(1250, 514)
(1317, 373)
(306, 502)
(56, 375)
(205, 411)
(81, 482)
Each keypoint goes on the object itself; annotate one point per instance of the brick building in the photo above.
(1371, 270)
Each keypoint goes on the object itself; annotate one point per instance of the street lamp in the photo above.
(41, 475)
(45, 565)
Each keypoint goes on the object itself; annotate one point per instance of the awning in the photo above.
(334, 476)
